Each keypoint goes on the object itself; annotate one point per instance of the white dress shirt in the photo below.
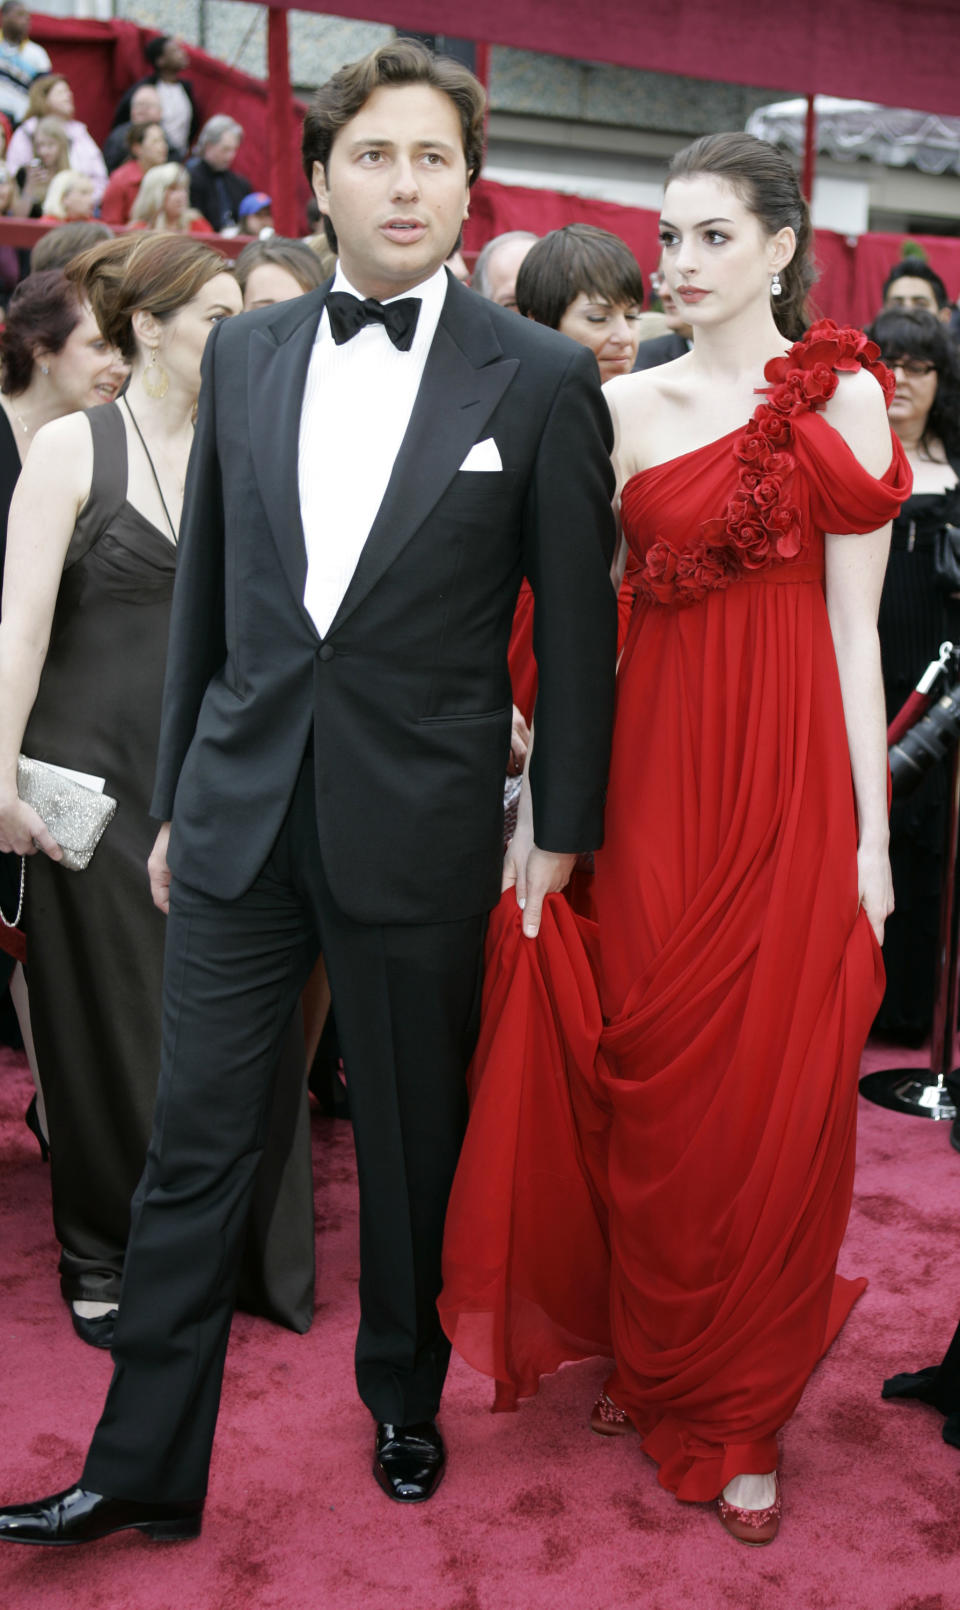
(357, 404)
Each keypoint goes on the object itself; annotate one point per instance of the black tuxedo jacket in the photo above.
(408, 695)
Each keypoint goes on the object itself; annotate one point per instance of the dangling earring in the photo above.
(776, 289)
(156, 381)
(44, 368)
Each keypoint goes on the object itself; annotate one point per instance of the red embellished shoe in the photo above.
(752, 1526)
(607, 1418)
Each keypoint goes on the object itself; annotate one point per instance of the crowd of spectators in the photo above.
(162, 166)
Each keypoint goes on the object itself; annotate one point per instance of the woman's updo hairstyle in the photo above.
(765, 181)
(44, 311)
(156, 274)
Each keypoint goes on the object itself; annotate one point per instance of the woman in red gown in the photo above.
(660, 1157)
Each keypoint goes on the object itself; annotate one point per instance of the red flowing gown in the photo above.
(659, 1161)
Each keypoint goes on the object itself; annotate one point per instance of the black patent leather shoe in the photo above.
(409, 1461)
(95, 1332)
(79, 1516)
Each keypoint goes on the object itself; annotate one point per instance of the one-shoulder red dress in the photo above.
(659, 1162)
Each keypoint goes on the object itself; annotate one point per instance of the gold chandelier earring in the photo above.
(156, 381)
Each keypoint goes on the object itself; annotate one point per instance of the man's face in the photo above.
(502, 270)
(911, 294)
(221, 153)
(145, 105)
(395, 188)
(174, 58)
(16, 25)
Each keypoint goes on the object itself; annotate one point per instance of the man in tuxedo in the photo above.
(375, 466)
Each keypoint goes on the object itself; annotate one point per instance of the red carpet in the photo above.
(536, 1512)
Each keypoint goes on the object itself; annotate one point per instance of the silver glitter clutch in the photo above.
(75, 815)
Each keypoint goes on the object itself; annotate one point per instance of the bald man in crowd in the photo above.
(498, 264)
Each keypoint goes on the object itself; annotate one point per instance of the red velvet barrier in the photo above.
(102, 59)
(26, 232)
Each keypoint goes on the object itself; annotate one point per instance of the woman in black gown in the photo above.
(90, 568)
(917, 614)
(53, 361)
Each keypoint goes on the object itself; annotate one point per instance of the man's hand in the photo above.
(159, 871)
(519, 742)
(536, 874)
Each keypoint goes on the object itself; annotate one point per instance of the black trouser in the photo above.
(407, 1005)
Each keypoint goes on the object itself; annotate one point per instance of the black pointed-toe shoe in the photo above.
(79, 1516)
(409, 1461)
(95, 1332)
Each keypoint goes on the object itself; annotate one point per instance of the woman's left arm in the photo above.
(855, 568)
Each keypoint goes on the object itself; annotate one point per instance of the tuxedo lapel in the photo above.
(279, 357)
(465, 376)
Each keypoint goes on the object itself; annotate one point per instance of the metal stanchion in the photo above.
(913, 1090)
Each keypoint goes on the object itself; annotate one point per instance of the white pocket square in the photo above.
(483, 456)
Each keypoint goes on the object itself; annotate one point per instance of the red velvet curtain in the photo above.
(900, 52)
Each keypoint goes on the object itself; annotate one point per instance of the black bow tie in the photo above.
(348, 314)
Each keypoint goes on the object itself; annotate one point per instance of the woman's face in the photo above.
(153, 147)
(86, 371)
(917, 382)
(268, 283)
(611, 331)
(78, 200)
(175, 202)
(716, 258)
(60, 99)
(6, 193)
(47, 149)
(185, 333)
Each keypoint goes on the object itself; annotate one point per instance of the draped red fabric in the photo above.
(901, 52)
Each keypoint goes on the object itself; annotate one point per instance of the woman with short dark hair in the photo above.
(587, 284)
(918, 611)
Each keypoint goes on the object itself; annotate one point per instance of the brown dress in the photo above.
(95, 939)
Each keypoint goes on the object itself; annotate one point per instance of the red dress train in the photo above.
(659, 1161)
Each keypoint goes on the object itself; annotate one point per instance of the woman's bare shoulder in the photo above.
(59, 462)
(857, 411)
(637, 403)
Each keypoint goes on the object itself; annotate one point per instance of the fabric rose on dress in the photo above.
(754, 546)
(784, 525)
(760, 526)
